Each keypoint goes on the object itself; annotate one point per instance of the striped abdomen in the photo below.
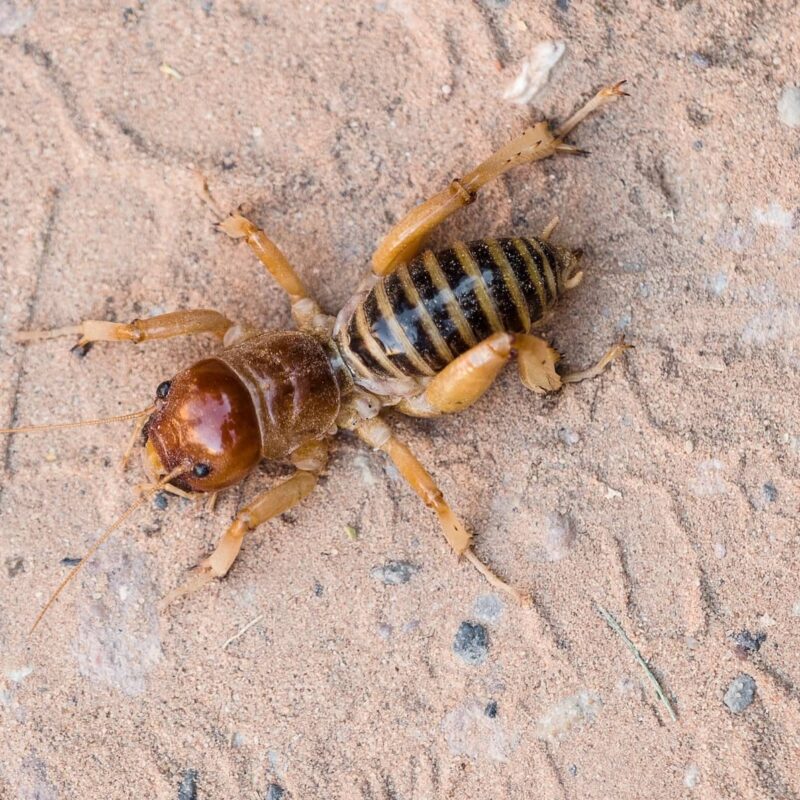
(416, 320)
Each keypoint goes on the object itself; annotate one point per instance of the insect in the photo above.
(425, 334)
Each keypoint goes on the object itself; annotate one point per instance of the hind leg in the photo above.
(405, 239)
(464, 380)
(537, 364)
(377, 434)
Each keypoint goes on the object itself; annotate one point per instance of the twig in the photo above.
(244, 630)
(617, 628)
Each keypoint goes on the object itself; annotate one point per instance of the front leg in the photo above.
(405, 239)
(310, 459)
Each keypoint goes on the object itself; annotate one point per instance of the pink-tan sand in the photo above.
(666, 491)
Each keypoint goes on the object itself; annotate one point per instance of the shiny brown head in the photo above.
(204, 420)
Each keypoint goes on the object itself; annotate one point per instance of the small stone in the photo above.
(15, 565)
(746, 643)
(700, 60)
(228, 163)
(70, 561)
(160, 501)
(447, 89)
(393, 573)
(720, 551)
(740, 693)
(188, 788)
(789, 106)
(275, 792)
(471, 643)
(491, 709)
(769, 491)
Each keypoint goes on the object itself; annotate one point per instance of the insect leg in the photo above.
(537, 364)
(405, 239)
(463, 380)
(310, 461)
(613, 353)
(163, 326)
(377, 434)
(305, 310)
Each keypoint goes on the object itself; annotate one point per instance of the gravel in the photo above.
(741, 693)
(471, 643)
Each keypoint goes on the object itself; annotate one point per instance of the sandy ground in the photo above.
(665, 491)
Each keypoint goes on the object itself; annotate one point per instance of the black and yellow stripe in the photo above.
(416, 320)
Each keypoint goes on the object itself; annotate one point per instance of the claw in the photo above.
(201, 575)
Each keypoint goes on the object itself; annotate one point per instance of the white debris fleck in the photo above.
(718, 283)
(572, 711)
(612, 494)
(568, 436)
(691, 777)
(720, 551)
(796, 609)
(14, 16)
(488, 608)
(18, 675)
(709, 480)
(559, 536)
(469, 731)
(534, 73)
(774, 216)
(789, 106)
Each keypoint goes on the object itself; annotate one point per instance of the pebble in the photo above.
(188, 788)
(471, 643)
(275, 792)
(747, 642)
(393, 573)
(740, 693)
(160, 501)
(789, 106)
(491, 709)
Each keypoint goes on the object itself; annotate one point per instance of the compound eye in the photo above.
(201, 470)
(162, 390)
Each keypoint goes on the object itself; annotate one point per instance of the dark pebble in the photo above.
(188, 788)
(160, 501)
(393, 573)
(740, 693)
(746, 642)
(317, 588)
(81, 350)
(69, 561)
(471, 643)
(491, 709)
(275, 792)
(15, 565)
(573, 770)
(228, 163)
(562, 5)
(770, 492)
